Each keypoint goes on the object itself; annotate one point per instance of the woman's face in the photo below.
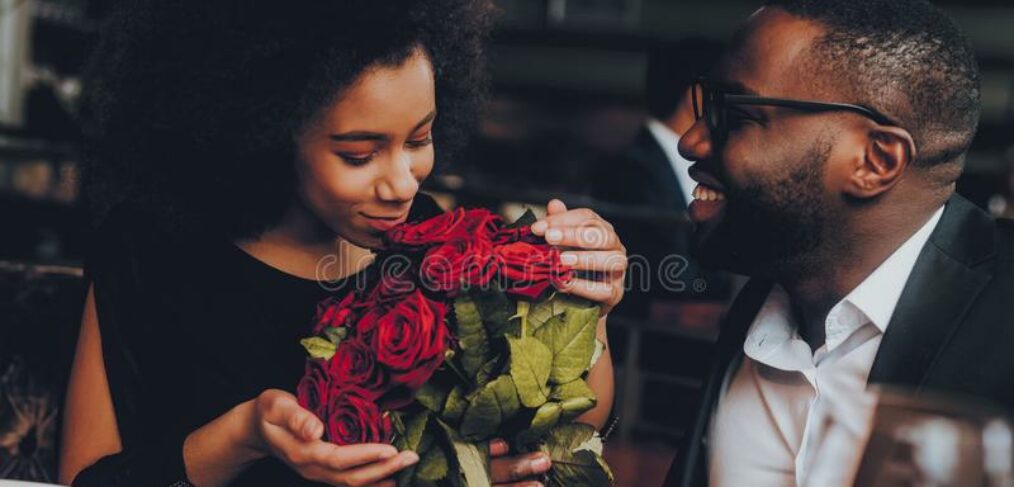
(361, 160)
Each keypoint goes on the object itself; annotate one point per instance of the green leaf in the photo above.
(546, 417)
(415, 427)
(319, 348)
(473, 461)
(575, 397)
(487, 371)
(471, 335)
(433, 466)
(335, 335)
(570, 447)
(496, 310)
(531, 362)
(455, 406)
(432, 396)
(527, 218)
(488, 408)
(541, 312)
(571, 341)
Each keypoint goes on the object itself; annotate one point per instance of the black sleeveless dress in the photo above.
(191, 327)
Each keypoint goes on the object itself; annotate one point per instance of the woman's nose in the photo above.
(397, 183)
(695, 144)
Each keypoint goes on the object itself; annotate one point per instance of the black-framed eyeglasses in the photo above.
(711, 103)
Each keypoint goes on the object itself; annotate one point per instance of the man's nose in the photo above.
(695, 144)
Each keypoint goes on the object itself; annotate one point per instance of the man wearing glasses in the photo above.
(826, 148)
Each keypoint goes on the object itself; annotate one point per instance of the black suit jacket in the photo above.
(952, 331)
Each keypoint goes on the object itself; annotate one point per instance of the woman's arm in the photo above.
(89, 422)
(214, 454)
(600, 379)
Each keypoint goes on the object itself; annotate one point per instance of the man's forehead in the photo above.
(769, 53)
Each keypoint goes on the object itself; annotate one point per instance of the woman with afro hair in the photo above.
(242, 161)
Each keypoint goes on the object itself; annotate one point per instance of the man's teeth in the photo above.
(704, 193)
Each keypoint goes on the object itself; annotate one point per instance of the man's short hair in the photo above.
(905, 58)
(672, 67)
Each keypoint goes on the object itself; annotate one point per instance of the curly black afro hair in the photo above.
(191, 106)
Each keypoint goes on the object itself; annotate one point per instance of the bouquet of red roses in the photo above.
(456, 338)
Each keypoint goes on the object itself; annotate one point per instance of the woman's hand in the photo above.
(275, 424)
(294, 434)
(595, 248)
(516, 471)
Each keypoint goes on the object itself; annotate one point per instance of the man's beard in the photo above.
(772, 224)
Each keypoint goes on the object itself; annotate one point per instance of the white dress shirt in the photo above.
(773, 413)
(670, 142)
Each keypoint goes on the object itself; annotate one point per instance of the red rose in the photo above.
(355, 363)
(518, 234)
(353, 417)
(313, 388)
(477, 223)
(333, 312)
(395, 283)
(410, 339)
(531, 268)
(453, 265)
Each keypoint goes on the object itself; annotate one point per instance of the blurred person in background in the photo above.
(650, 174)
(234, 147)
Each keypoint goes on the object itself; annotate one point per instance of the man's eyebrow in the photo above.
(362, 135)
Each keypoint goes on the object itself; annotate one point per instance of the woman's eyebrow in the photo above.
(362, 135)
(358, 136)
(427, 119)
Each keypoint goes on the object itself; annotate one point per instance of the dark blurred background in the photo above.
(569, 78)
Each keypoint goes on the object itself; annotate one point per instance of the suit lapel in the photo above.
(952, 269)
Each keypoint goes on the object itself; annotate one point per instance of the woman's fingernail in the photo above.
(568, 258)
(554, 235)
(539, 226)
(409, 459)
(540, 464)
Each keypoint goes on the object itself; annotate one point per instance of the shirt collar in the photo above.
(773, 337)
(878, 294)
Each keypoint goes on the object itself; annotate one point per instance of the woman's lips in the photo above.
(384, 223)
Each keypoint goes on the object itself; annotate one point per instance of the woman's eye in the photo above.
(357, 159)
(421, 142)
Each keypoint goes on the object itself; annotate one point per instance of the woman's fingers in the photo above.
(609, 293)
(347, 457)
(283, 410)
(498, 447)
(373, 472)
(595, 260)
(587, 236)
(555, 206)
(512, 469)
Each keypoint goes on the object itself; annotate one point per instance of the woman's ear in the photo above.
(889, 151)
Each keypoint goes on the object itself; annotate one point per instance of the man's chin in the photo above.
(712, 249)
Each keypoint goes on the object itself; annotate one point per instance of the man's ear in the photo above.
(889, 151)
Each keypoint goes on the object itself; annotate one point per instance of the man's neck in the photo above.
(816, 286)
